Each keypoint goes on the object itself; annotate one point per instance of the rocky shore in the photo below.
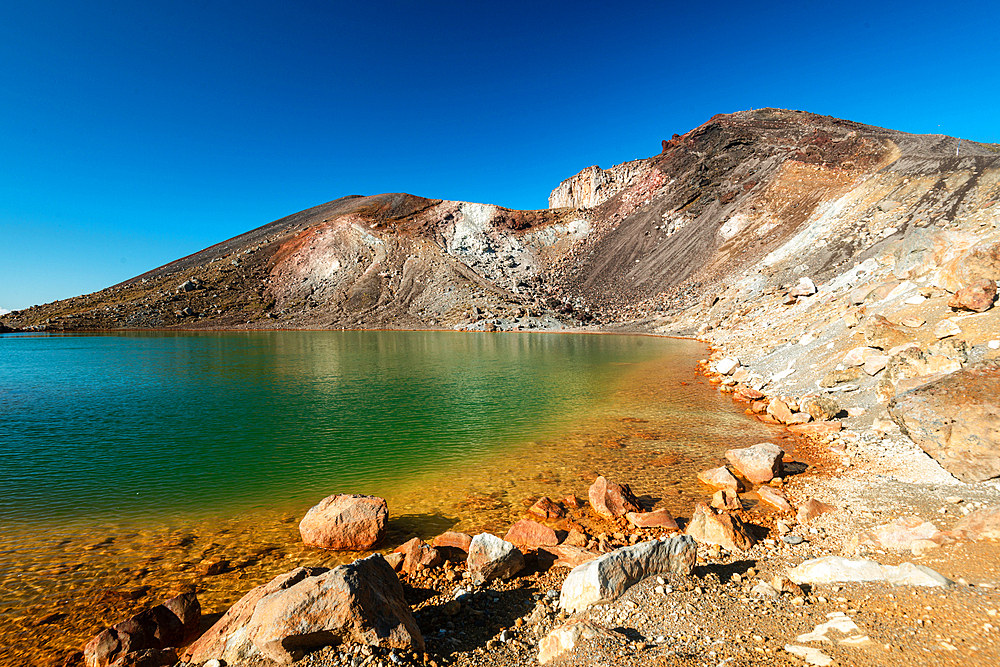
(845, 276)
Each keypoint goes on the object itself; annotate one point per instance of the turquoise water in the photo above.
(114, 426)
(128, 461)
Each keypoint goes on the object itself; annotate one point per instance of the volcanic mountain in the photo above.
(767, 194)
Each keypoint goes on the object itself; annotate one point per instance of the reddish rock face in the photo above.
(815, 429)
(545, 508)
(978, 296)
(565, 555)
(345, 522)
(453, 540)
(760, 463)
(778, 409)
(530, 533)
(956, 420)
(726, 499)
(416, 552)
(612, 500)
(660, 518)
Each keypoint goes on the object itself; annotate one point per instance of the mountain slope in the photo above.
(771, 193)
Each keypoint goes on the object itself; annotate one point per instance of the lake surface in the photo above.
(128, 461)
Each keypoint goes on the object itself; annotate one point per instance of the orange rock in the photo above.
(811, 509)
(454, 540)
(416, 553)
(774, 498)
(778, 409)
(612, 500)
(546, 509)
(815, 429)
(660, 518)
(530, 533)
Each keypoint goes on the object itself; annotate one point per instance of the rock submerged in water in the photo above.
(612, 500)
(345, 522)
(153, 633)
(607, 577)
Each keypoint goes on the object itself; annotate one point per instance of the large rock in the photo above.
(913, 363)
(166, 625)
(660, 518)
(361, 602)
(612, 500)
(820, 408)
(228, 640)
(831, 569)
(453, 540)
(607, 577)
(546, 508)
(345, 521)
(724, 529)
(760, 463)
(492, 558)
(983, 524)
(417, 555)
(899, 534)
(530, 533)
(978, 296)
(883, 334)
(956, 420)
(977, 263)
(565, 638)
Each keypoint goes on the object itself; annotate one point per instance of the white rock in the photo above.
(994, 344)
(607, 577)
(806, 339)
(727, 366)
(764, 590)
(946, 327)
(839, 622)
(812, 656)
(916, 300)
(566, 637)
(831, 569)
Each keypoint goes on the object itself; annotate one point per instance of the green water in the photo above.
(129, 461)
(137, 425)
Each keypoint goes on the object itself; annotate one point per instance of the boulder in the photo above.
(417, 555)
(759, 463)
(453, 540)
(983, 524)
(345, 522)
(724, 529)
(720, 478)
(778, 409)
(492, 558)
(898, 535)
(164, 626)
(977, 263)
(831, 569)
(361, 602)
(811, 509)
(565, 638)
(876, 363)
(914, 363)
(978, 296)
(528, 533)
(820, 408)
(726, 499)
(660, 518)
(612, 500)
(835, 377)
(607, 577)
(151, 657)
(227, 640)
(956, 420)
(727, 366)
(545, 508)
(805, 287)
(883, 334)
(774, 498)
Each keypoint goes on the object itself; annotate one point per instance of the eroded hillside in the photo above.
(761, 197)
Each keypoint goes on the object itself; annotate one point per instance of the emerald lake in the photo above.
(127, 459)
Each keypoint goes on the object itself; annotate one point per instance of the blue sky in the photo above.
(131, 135)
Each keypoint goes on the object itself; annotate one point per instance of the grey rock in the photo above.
(607, 577)
(493, 558)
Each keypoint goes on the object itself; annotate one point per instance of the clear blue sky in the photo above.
(131, 135)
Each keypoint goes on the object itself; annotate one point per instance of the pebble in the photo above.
(792, 539)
